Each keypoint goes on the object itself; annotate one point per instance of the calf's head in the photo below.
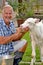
(30, 22)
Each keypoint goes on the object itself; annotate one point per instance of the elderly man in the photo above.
(10, 37)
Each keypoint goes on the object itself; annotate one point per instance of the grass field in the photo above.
(27, 54)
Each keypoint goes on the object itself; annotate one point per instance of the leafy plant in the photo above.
(23, 9)
(14, 4)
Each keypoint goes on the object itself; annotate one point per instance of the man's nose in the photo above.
(8, 14)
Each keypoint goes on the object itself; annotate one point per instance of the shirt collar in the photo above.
(4, 22)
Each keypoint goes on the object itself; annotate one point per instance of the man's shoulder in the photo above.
(1, 20)
(1, 23)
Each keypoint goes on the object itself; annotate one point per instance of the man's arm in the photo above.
(6, 39)
(22, 31)
(14, 37)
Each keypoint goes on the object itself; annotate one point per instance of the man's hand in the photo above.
(19, 34)
(19, 29)
(26, 29)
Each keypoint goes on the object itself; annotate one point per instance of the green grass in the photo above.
(27, 54)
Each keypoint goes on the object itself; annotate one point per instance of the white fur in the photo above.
(36, 33)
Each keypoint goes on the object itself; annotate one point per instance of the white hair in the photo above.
(6, 6)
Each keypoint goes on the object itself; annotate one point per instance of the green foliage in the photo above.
(27, 55)
(14, 4)
(23, 10)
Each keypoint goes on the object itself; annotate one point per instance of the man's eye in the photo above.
(10, 13)
(6, 13)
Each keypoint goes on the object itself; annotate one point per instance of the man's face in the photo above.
(7, 14)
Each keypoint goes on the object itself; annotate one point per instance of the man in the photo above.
(10, 37)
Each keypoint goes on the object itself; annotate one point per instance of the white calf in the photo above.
(36, 31)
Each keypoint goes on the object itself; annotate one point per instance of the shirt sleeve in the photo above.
(1, 31)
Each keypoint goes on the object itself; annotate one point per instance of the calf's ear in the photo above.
(41, 21)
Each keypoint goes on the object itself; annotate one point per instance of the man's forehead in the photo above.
(7, 8)
(7, 11)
